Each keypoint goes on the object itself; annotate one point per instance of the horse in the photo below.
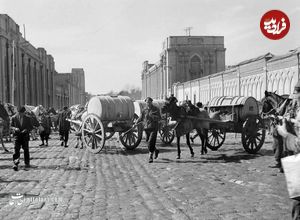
(273, 103)
(4, 125)
(77, 116)
(185, 125)
(34, 113)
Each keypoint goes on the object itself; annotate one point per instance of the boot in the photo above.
(156, 154)
(151, 158)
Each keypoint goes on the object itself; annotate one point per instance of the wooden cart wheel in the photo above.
(93, 133)
(253, 134)
(216, 138)
(167, 135)
(133, 137)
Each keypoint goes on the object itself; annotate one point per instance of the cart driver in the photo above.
(150, 117)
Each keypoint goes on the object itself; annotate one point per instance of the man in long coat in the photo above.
(150, 117)
(21, 124)
(64, 126)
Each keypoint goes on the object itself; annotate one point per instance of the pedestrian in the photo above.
(21, 125)
(46, 128)
(150, 117)
(64, 126)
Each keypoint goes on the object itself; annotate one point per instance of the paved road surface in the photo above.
(69, 183)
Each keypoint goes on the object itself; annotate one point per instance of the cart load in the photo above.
(165, 130)
(236, 114)
(234, 108)
(107, 115)
(109, 108)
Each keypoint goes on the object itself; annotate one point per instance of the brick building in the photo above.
(70, 88)
(26, 72)
(183, 58)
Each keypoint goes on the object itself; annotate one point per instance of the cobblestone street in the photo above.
(70, 183)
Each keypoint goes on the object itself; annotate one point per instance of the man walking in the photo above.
(64, 126)
(46, 124)
(21, 124)
(150, 117)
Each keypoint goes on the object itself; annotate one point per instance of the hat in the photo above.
(149, 98)
(199, 104)
(21, 109)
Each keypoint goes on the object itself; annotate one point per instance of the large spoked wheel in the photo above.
(93, 134)
(253, 134)
(167, 135)
(216, 138)
(132, 138)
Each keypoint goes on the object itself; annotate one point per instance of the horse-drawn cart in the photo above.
(110, 114)
(236, 114)
(165, 130)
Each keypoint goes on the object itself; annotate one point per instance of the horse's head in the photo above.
(170, 106)
(272, 103)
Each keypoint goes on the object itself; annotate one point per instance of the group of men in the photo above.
(21, 125)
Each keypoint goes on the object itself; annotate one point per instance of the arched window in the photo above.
(195, 67)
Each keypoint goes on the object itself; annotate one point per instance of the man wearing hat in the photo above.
(21, 125)
(150, 117)
(64, 126)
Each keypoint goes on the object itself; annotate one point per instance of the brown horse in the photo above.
(184, 124)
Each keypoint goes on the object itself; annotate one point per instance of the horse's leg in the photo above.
(199, 132)
(3, 146)
(189, 144)
(205, 137)
(178, 147)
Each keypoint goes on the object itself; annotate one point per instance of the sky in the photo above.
(111, 39)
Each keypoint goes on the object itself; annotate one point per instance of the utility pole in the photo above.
(188, 31)
(13, 74)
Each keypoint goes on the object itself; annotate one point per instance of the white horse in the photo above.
(36, 112)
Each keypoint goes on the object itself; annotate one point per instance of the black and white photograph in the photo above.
(149, 110)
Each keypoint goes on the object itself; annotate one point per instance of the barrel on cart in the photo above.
(236, 114)
(107, 115)
(165, 130)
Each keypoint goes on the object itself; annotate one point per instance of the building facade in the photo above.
(26, 72)
(70, 88)
(183, 58)
(248, 78)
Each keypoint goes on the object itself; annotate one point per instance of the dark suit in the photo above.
(64, 125)
(150, 117)
(21, 137)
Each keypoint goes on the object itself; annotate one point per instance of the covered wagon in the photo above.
(236, 114)
(110, 114)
